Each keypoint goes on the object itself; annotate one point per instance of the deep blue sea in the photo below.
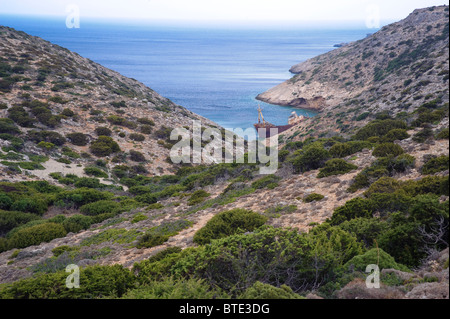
(214, 72)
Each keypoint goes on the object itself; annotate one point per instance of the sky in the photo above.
(222, 10)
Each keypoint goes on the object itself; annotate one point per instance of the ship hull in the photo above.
(263, 134)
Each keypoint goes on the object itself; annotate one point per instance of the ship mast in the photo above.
(260, 115)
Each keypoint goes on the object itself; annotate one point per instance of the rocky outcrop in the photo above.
(392, 70)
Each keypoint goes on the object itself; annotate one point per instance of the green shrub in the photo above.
(78, 139)
(374, 257)
(160, 234)
(313, 198)
(269, 181)
(146, 121)
(137, 137)
(442, 135)
(86, 182)
(336, 167)
(95, 171)
(8, 126)
(100, 207)
(354, 208)
(387, 149)
(265, 291)
(76, 223)
(104, 146)
(146, 129)
(366, 230)
(82, 196)
(198, 197)
(58, 251)
(378, 128)
(383, 185)
(95, 282)
(436, 164)
(170, 288)
(5, 201)
(311, 157)
(136, 156)
(20, 116)
(37, 234)
(11, 220)
(32, 205)
(103, 131)
(363, 116)
(46, 136)
(228, 223)
(335, 245)
(349, 148)
(423, 135)
(395, 135)
(270, 255)
(68, 112)
(138, 217)
(117, 120)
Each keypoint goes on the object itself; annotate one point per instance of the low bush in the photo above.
(436, 164)
(170, 288)
(395, 135)
(354, 208)
(32, 205)
(269, 181)
(95, 282)
(311, 157)
(95, 171)
(229, 223)
(37, 234)
(136, 156)
(198, 197)
(423, 135)
(137, 137)
(314, 197)
(82, 196)
(265, 291)
(10, 220)
(160, 234)
(100, 207)
(78, 139)
(336, 167)
(340, 150)
(76, 223)
(378, 128)
(104, 146)
(374, 257)
(7, 126)
(146, 129)
(46, 136)
(443, 135)
(388, 149)
(103, 131)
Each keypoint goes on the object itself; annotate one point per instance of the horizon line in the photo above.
(204, 22)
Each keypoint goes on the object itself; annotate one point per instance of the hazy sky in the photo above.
(204, 10)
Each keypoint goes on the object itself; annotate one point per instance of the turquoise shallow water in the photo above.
(214, 72)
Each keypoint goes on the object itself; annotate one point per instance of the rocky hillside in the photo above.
(397, 69)
(55, 104)
(374, 195)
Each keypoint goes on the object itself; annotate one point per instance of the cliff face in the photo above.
(44, 87)
(395, 69)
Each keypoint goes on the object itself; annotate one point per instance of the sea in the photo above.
(214, 71)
